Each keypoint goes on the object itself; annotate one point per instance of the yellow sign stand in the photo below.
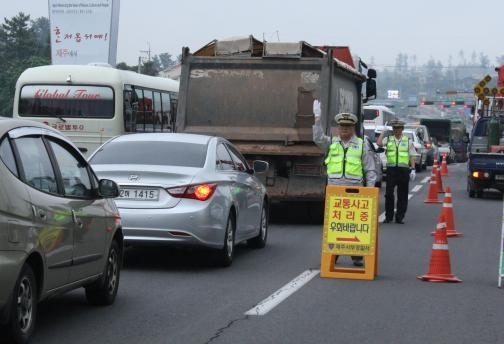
(350, 229)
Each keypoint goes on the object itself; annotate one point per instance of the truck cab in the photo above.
(485, 167)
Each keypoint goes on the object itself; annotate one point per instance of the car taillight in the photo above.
(480, 175)
(200, 192)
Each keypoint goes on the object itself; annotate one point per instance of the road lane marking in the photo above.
(281, 294)
(416, 188)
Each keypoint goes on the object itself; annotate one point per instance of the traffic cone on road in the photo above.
(439, 266)
(444, 166)
(432, 194)
(447, 211)
(439, 180)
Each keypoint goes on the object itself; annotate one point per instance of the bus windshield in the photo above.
(66, 101)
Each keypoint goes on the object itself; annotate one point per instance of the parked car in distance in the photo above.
(59, 226)
(421, 151)
(181, 189)
(378, 155)
(432, 150)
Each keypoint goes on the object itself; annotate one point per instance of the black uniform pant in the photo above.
(396, 177)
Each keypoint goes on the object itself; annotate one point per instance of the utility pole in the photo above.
(148, 52)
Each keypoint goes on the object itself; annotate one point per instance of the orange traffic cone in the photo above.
(439, 180)
(439, 266)
(448, 215)
(432, 194)
(444, 166)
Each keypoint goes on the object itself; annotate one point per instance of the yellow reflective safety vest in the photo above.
(398, 154)
(345, 162)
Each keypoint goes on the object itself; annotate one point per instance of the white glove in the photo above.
(412, 175)
(316, 108)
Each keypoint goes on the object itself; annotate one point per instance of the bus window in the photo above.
(66, 101)
(166, 110)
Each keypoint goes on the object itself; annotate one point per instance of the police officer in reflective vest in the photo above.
(400, 153)
(349, 161)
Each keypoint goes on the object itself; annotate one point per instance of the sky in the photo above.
(375, 30)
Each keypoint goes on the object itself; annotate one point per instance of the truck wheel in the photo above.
(103, 291)
(471, 193)
(23, 312)
(479, 194)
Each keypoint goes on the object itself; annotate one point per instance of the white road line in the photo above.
(281, 294)
(425, 180)
(416, 188)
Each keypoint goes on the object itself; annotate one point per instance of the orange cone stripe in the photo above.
(443, 247)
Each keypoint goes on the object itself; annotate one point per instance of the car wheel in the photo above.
(225, 255)
(23, 312)
(260, 240)
(103, 291)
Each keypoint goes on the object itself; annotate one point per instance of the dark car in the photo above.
(59, 227)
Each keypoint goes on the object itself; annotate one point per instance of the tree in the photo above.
(23, 44)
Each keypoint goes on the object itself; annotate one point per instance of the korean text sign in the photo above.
(350, 220)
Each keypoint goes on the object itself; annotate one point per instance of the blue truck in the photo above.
(485, 166)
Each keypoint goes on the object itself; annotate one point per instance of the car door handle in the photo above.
(76, 220)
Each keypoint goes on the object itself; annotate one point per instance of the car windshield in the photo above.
(152, 153)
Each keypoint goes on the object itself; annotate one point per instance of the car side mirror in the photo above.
(108, 188)
(260, 166)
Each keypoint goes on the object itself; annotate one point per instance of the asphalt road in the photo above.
(168, 296)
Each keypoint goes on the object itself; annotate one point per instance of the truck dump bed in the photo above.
(260, 96)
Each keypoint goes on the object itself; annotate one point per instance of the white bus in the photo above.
(375, 116)
(91, 104)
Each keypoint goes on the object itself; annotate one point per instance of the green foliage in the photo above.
(23, 44)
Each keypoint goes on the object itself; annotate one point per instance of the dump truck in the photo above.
(259, 95)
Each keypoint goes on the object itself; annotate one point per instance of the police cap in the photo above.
(345, 118)
(396, 123)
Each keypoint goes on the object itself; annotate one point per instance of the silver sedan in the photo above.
(185, 190)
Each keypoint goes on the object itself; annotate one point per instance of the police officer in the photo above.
(349, 161)
(400, 153)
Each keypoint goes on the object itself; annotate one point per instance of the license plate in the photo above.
(139, 194)
(499, 177)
